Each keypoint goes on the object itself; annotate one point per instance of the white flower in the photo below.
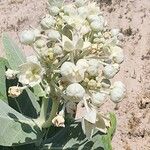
(48, 22)
(111, 70)
(54, 35)
(93, 120)
(117, 54)
(72, 72)
(76, 44)
(15, 91)
(30, 73)
(85, 29)
(11, 74)
(93, 67)
(27, 37)
(59, 121)
(118, 92)
(54, 10)
(98, 98)
(75, 21)
(75, 91)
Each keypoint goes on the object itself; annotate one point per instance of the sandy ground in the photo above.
(133, 18)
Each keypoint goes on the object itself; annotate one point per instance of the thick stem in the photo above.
(53, 113)
(43, 111)
(42, 118)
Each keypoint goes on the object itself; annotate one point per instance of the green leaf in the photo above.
(3, 94)
(13, 54)
(15, 128)
(72, 137)
(38, 91)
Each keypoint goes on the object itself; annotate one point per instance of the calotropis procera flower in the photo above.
(30, 73)
(11, 74)
(15, 91)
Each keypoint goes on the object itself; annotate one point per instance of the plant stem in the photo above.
(43, 111)
(53, 113)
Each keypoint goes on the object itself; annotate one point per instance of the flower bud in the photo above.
(15, 91)
(54, 10)
(59, 121)
(57, 50)
(97, 25)
(71, 72)
(115, 32)
(54, 35)
(93, 67)
(111, 70)
(82, 63)
(98, 98)
(75, 91)
(11, 74)
(27, 37)
(117, 54)
(69, 9)
(118, 92)
(83, 12)
(48, 22)
(92, 18)
(40, 43)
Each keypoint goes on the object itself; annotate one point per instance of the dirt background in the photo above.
(133, 18)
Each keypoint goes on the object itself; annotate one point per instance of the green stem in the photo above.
(53, 113)
(41, 119)
(43, 111)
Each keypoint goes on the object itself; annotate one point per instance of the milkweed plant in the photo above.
(76, 56)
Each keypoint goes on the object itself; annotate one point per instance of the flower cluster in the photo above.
(77, 55)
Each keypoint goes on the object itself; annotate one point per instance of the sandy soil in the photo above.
(133, 18)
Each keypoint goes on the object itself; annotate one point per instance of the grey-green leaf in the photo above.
(13, 54)
(3, 94)
(15, 128)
